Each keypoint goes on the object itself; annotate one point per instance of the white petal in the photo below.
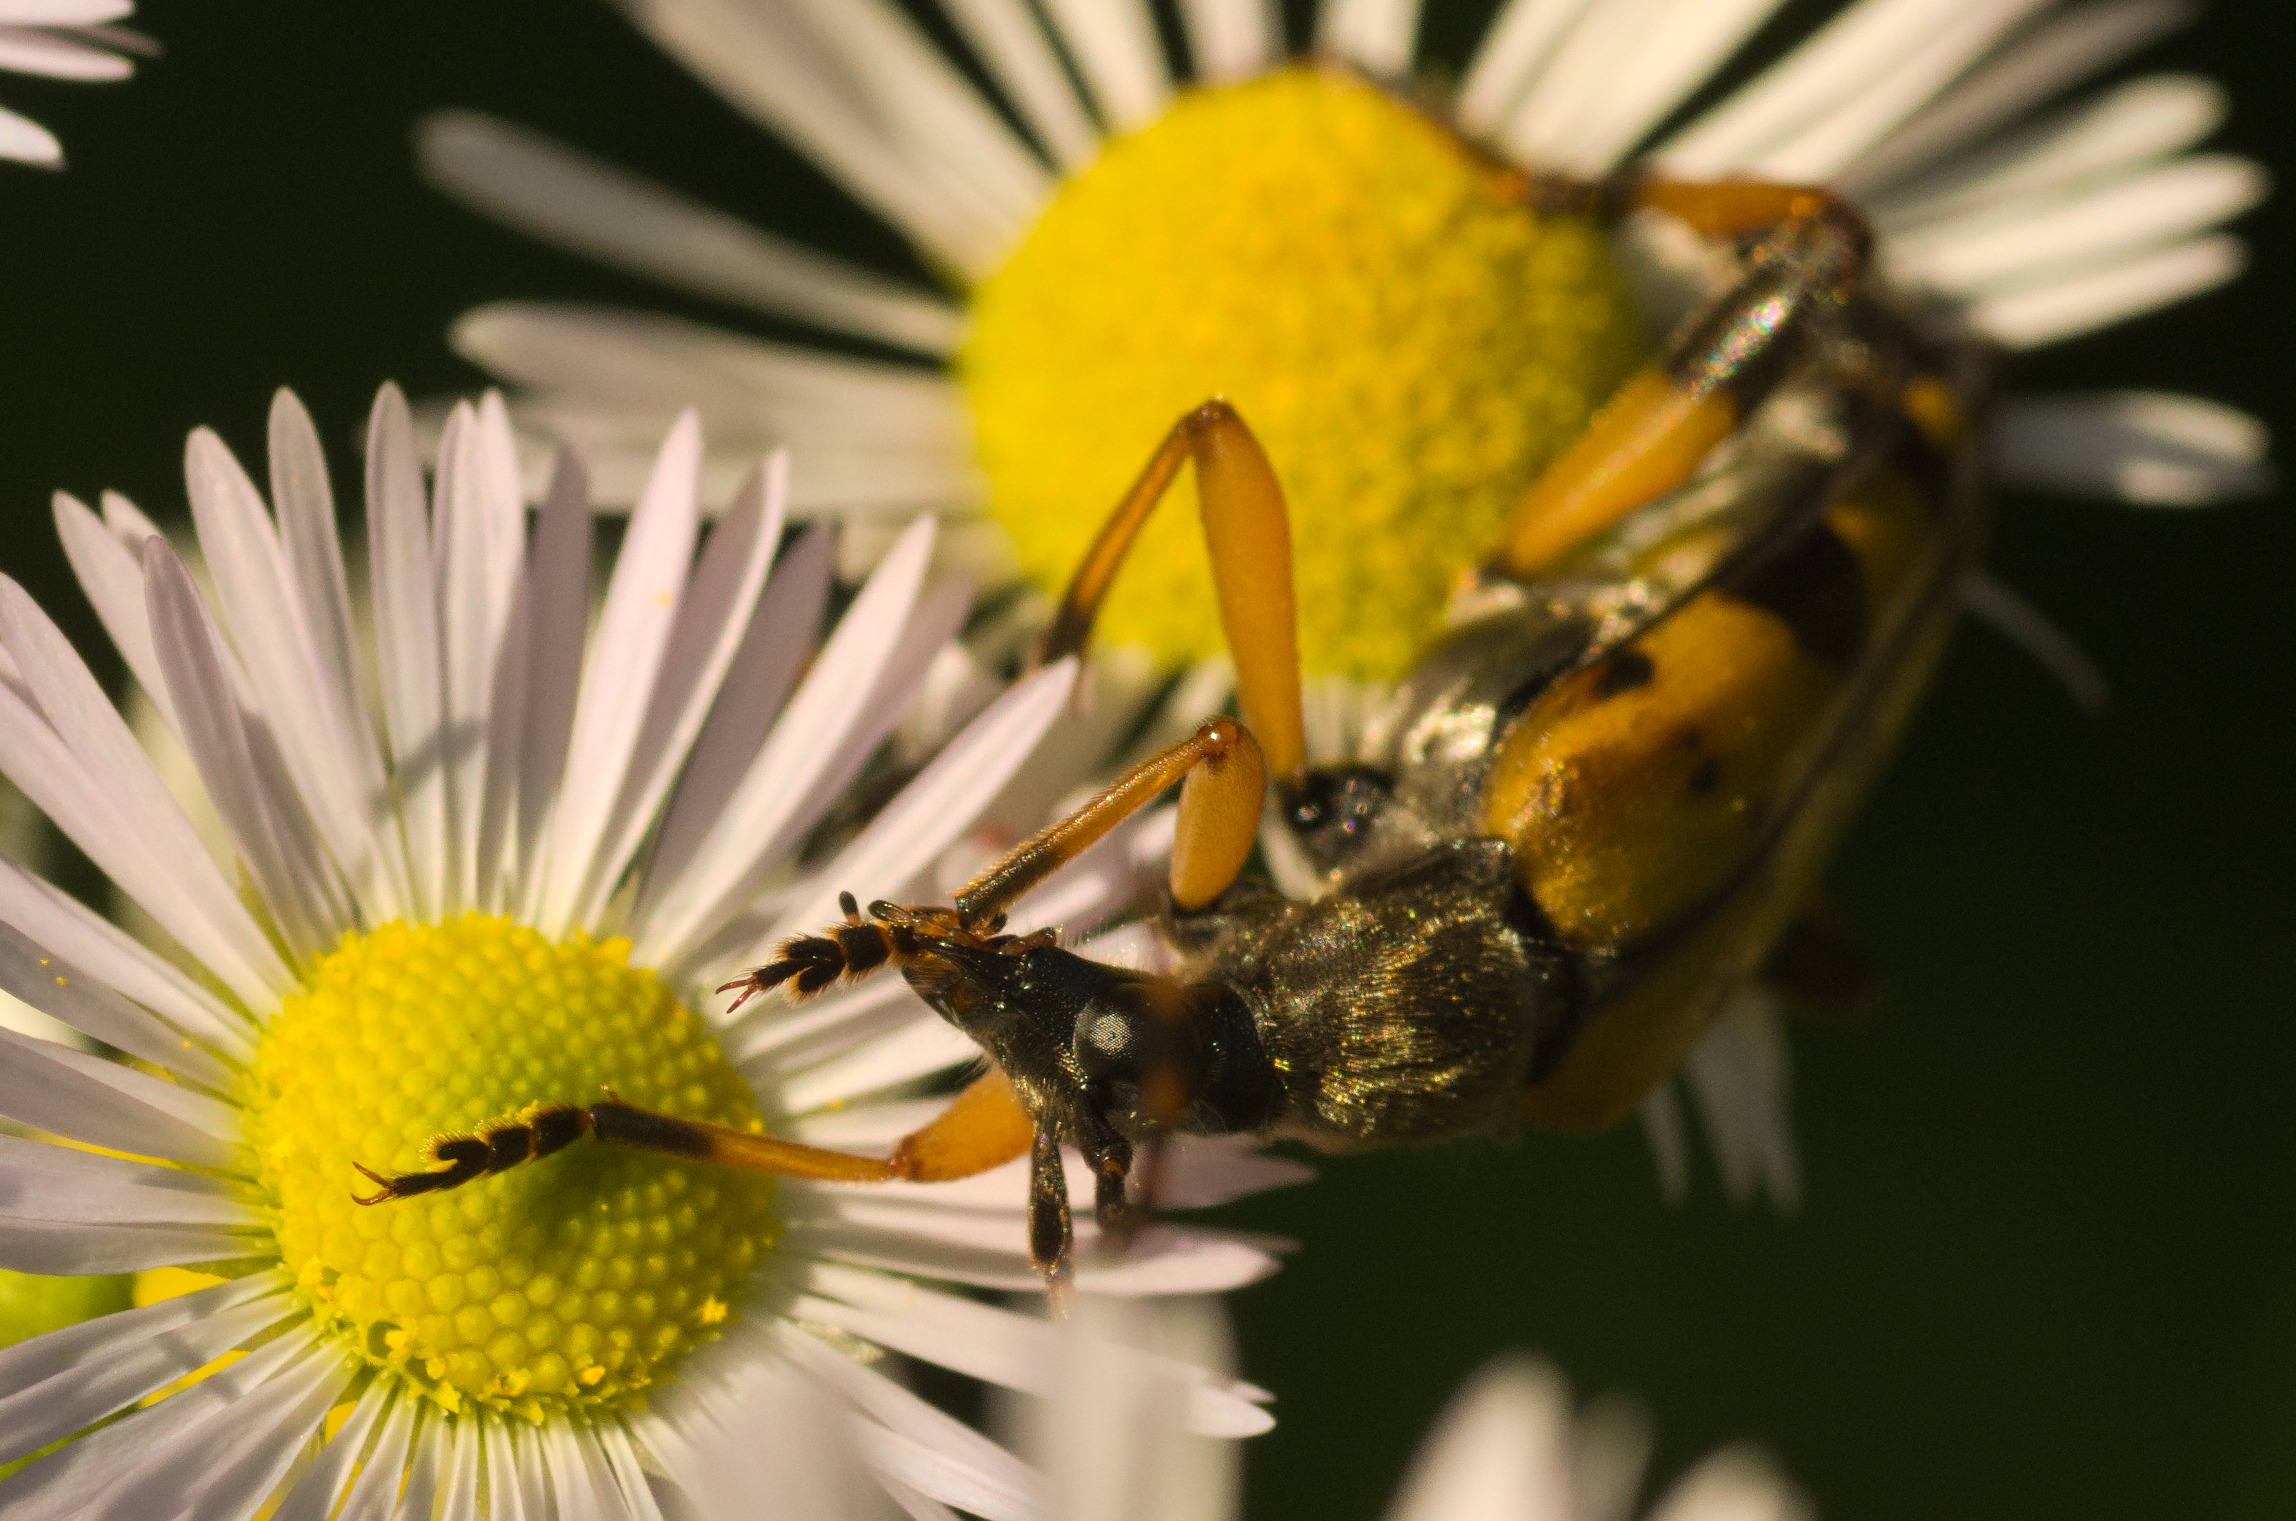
(1669, 1136)
(966, 1468)
(1992, 601)
(90, 777)
(319, 1492)
(345, 768)
(1378, 35)
(375, 1493)
(64, 12)
(1587, 110)
(480, 541)
(2066, 306)
(63, 992)
(1232, 40)
(2022, 244)
(28, 142)
(405, 601)
(1017, 55)
(774, 64)
(712, 621)
(58, 56)
(112, 576)
(2139, 123)
(55, 1385)
(89, 1098)
(829, 705)
(1866, 69)
(565, 197)
(1115, 48)
(46, 916)
(940, 803)
(1499, 1452)
(911, 1051)
(2062, 51)
(773, 649)
(989, 1249)
(1515, 47)
(2150, 447)
(229, 1464)
(1740, 1074)
(712, 1435)
(932, 112)
(209, 723)
(278, 644)
(998, 1346)
(1733, 1485)
(619, 670)
(557, 615)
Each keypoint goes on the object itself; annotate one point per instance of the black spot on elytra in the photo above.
(1623, 672)
(1811, 584)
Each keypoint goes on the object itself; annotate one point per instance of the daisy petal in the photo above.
(1739, 1074)
(914, 1049)
(49, 918)
(58, 56)
(1000, 1347)
(1008, 40)
(375, 1493)
(1115, 48)
(111, 574)
(967, 1470)
(774, 64)
(213, 731)
(2066, 306)
(66, 1381)
(70, 1093)
(1515, 46)
(1669, 1136)
(1990, 600)
(674, 914)
(61, 990)
(781, 633)
(711, 623)
(941, 803)
(405, 599)
(27, 142)
(2133, 446)
(91, 779)
(480, 539)
(556, 617)
(618, 674)
(2063, 51)
(317, 1495)
(1379, 36)
(568, 199)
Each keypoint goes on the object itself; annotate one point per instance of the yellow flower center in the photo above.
(570, 1281)
(1409, 341)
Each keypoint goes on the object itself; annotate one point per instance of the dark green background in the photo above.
(2048, 1260)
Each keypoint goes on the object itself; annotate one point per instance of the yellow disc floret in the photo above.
(1407, 338)
(569, 1281)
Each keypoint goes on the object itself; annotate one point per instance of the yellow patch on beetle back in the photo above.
(1407, 339)
(573, 1281)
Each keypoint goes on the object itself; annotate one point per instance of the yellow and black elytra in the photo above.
(1591, 812)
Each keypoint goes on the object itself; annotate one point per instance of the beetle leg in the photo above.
(1223, 778)
(1050, 1233)
(1248, 533)
(1662, 423)
(983, 1127)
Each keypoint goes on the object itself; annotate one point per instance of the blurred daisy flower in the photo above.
(60, 39)
(515, 886)
(1338, 239)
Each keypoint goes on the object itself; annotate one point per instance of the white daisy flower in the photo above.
(515, 888)
(60, 39)
(1129, 232)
